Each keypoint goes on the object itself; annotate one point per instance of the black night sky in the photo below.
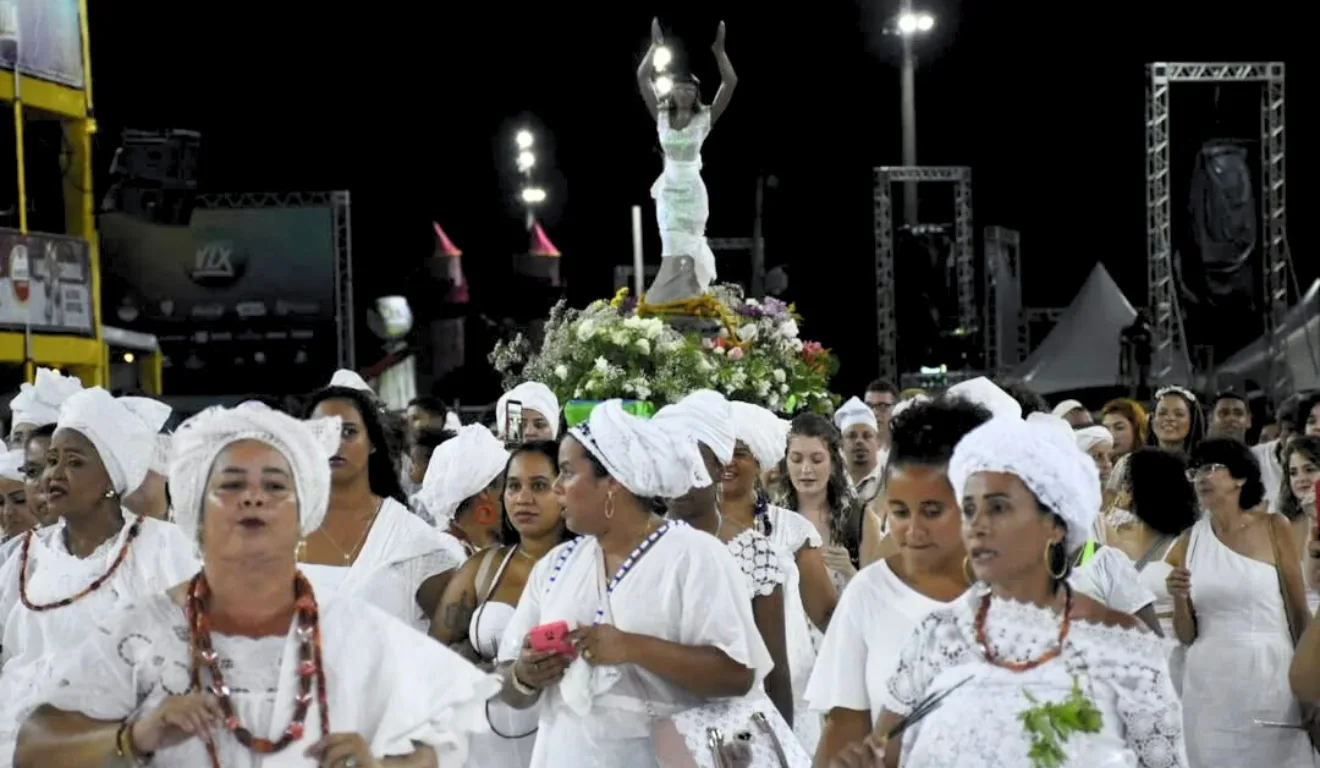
(412, 107)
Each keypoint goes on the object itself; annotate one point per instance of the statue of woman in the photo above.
(687, 264)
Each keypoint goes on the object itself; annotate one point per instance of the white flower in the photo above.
(643, 346)
(619, 338)
(640, 388)
(748, 332)
(762, 387)
(739, 378)
(779, 375)
(772, 402)
(783, 388)
(788, 329)
(602, 365)
(704, 365)
(718, 350)
(561, 372)
(653, 327)
(586, 329)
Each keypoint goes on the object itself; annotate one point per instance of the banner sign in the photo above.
(45, 284)
(46, 38)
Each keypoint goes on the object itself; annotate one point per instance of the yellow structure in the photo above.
(35, 99)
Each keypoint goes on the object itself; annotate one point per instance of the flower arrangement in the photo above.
(622, 349)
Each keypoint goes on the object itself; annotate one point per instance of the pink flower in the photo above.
(736, 354)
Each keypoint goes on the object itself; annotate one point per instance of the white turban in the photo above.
(988, 395)
(306, 445)
(637, 453)
(1044, 458)
(764, 434)
(351, 380)
(11, 465)
(704, 417)
(1066, 407)
(160, 460)
(1089, 437)
(122, 429)
(39, 403)
(460, 468)
(855, 412)
(534, 396)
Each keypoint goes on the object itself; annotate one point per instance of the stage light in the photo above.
(129, 357)
(526, 159)
(912, 23)
(524, 139)
(533, 195)
(925, 22)
(661, 58)
(663, 85)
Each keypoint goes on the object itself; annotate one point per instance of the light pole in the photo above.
(908, 25)
(525, 160)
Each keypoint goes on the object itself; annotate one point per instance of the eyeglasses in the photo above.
(1203, 470)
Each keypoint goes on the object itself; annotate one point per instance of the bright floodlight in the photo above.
(533, 195)
(526, 159)
(660, 60)
(523, 139)
(663, 85)
(912, 23)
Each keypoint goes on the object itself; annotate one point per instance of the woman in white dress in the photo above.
(809, 593)
(244, 664)
(1233, 605)
(482, 596)
(641, 653)
(890, 597)
(68, 578)
(1023, 638)
(683, 122)
(369, 545)
(816, 487)
(702, 425)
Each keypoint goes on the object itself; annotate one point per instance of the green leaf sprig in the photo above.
(1050, 725)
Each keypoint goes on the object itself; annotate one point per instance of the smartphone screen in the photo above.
(513, 424)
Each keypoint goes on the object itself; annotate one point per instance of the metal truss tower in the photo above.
(1004, 343)
(1161, 291)
(963, 247)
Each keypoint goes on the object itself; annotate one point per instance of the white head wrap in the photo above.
(1044, 458)
(160, 460)
(122, 429)
(460, 468)
(534, 396)
(908, 403)
(637, 453)
(765, 434)
(351, 380)
(987, 394)
(855, 412)
(1089, 437)
(306, 445)
(39, 403)
(1066, 407)
(453, 422)
(11, 465)
(703, 417)
(253, 404)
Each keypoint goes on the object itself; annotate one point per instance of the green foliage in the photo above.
(1050, 726)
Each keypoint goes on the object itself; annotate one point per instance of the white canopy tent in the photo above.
(1301, 334)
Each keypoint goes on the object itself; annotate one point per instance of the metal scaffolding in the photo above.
(1167, 330)
(963, 244)
(1004, 341)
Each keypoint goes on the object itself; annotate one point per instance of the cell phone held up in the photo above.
(552, 638)
(513, 424)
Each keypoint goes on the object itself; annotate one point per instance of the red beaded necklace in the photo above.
(1023, 666)
(133, 532)
(310, 668)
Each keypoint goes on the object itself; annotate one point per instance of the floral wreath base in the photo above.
(625, 349)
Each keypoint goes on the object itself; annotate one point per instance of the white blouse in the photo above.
(34, 642)
(400, 553)
(1109, 577)
(391, 685)
(873, 621)
(1124, 672)
(759, 562)
(686, 589)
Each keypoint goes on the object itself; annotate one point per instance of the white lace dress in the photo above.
(385, 681)
(1237, 668)
(1123, 671)
(681, 204)
(35, 642)
(873, 621)
(791, 533)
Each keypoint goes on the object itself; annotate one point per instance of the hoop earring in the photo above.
(1049, 549)
(968, 573)
(609, 506)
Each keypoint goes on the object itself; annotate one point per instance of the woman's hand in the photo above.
(1179, 583)
(601, 645)
(863, 754)
(539, 669)
(837, 559)
(343, 750)
(176, 720)
(718, 45)
(657, 34)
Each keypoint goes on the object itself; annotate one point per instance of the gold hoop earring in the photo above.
(1049, 549)
(609, 506)
(968, 573)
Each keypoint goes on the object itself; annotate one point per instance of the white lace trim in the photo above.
(759, 562)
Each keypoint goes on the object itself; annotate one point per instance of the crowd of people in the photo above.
(968, 577)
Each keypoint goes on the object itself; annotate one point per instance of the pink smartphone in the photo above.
(552, 638)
